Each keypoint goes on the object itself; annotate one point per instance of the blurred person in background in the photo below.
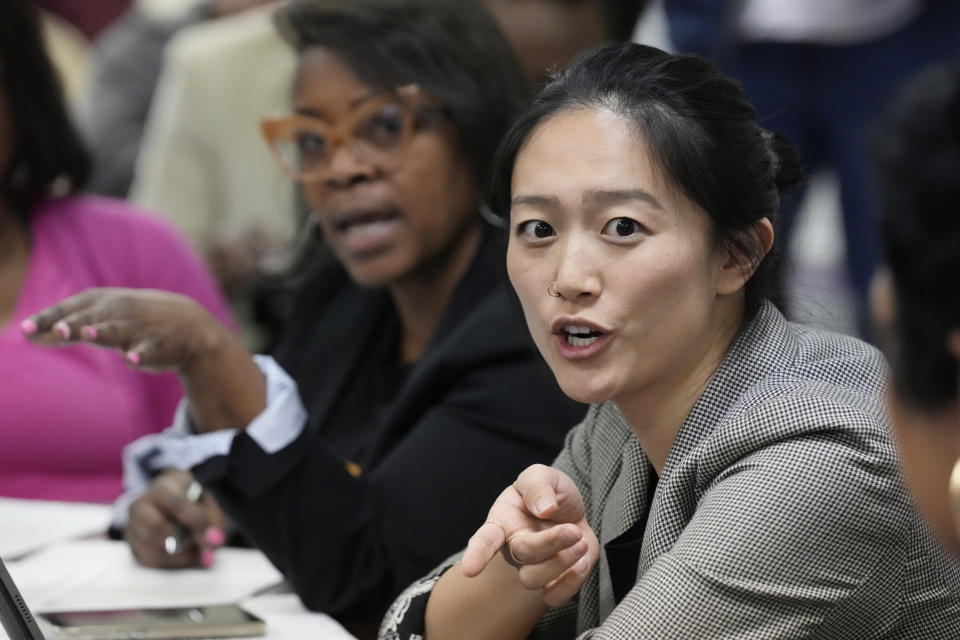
(203, 160)
(126, 63)
(128, 59)
(547, 34)
(67, 414)
(403, 359)
(91, 17)
(916, 300)
(818, 71)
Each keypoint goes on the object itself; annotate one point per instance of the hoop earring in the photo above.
(490, 217)
(553, 289)
(954, 490)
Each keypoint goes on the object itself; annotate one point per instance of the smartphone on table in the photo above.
(221, 621)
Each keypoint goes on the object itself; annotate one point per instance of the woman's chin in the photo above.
(373, 273)
(585, 391)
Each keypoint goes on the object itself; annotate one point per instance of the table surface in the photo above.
(67, 570)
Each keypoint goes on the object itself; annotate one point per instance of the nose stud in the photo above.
(553, 289)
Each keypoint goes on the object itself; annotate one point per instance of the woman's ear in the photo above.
(737, 264)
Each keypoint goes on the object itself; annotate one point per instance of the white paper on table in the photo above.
(28, 525)
(102, 574)
(288, 619)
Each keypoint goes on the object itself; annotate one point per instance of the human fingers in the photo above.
(568, 584)
(483, 545)
(550, 494)
(541, 574)
(505, 518)
(143, 347)
(534, 547)
(220, 527)
(146, 355)
(103, 317)
(176, 506)
(40, 325)
(146, 532)
(182, 500)
(570, 581)
(175, 327)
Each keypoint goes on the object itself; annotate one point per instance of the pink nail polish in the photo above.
(133, 357)
(63, 329)
(215, 536)
(89, 332)
(28, 326)
(206, 558)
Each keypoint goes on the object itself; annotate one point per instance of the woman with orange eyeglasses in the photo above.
(404, 361)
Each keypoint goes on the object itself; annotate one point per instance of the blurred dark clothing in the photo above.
(823, 97)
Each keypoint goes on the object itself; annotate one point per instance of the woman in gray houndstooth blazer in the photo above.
(735, 477)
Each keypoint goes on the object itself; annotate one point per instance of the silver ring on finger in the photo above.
(172, 545)
(513, 559)
(509, 556)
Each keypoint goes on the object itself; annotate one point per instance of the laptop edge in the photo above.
(14, 613)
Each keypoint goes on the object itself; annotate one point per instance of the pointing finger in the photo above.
(482, 547)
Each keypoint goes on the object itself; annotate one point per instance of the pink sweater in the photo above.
(66, 413)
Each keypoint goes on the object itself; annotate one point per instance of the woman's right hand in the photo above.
(159, 330)
(164, 511)
(539, 525)
(154, 329)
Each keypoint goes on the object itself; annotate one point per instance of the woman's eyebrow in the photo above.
(606, 197)
(317, 113)
(540, 202)
(308, 111)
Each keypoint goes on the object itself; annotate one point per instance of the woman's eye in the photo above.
(622, 228)
(310, 145)
(534, 230)
(384, 128)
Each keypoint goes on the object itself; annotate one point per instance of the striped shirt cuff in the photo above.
(178, 447)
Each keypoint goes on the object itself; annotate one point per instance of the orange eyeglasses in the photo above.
(378, 129)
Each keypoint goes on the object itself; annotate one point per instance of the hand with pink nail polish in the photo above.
(165, 512)
(155, 329)
(158, 330)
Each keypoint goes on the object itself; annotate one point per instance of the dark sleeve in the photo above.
(349, 544)
(406, 617)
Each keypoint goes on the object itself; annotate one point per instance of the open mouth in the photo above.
(356, 221)
(365, 232)
(580, 336)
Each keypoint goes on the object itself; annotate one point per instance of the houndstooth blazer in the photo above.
(780, 511)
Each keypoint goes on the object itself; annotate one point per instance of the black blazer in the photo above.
(477, 408)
